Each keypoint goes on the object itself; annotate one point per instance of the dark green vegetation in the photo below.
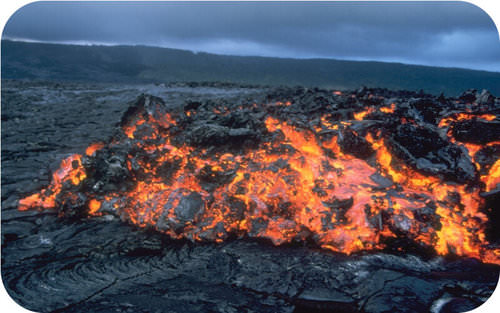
(140, 64)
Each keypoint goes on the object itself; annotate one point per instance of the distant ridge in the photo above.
(141, 64)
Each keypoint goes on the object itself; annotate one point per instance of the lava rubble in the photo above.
(389, 174)
(392, 192)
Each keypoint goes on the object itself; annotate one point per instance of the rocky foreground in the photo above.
(100, 264)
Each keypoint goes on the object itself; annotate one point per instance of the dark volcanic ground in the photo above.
(51, 264)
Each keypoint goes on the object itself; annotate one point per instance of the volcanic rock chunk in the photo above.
(468, 96)
(401, 223)
(361, 92)
(168, 169)
(214, 233)
(71, 206)
(425, 150)
(352, 143)
(476, 131)
(487, 156)
(396, 291)
(338, 208)
(244, 119)
(238, 208)
(382, 181)
(485, 98)
(427, 214)
(442, 99)
(107, 171)
(144, 105)
(340, 115)
(429, 109)
(188, 207)
(312, 102)
(216, 135)
(340, 203)
(492, 204)
(258, 225)
(191, 105)
(185, 211)
(211, 179)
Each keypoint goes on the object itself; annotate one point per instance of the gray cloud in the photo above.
(440, 34)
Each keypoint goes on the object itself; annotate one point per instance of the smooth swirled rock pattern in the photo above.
(51, 264)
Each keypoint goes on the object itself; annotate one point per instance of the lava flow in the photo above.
(346, 184)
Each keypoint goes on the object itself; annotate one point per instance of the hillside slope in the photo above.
(139, 64)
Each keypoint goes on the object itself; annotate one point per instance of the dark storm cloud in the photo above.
(442, 34)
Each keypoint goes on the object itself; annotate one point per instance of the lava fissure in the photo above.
(349, 172)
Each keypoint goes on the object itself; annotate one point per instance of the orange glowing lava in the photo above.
(297, 185)
(93, 148)
(464, 116)
(389, 109)
(70, 170)
(361, 115)
(493, 178)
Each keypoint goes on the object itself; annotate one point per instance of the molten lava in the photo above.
(297, 184)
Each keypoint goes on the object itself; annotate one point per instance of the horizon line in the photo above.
(87, 43)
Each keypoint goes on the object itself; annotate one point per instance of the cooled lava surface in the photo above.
(376, 200)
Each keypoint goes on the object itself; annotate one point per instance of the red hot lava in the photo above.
(297, 184)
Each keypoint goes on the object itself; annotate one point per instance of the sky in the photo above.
(450, 34)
